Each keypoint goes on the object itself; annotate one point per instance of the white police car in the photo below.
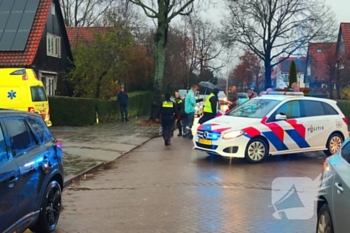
(273, 124)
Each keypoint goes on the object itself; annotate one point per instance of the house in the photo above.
(320, 64)
(282, 71)
(33, 35)
(343, 48)
(84, 35)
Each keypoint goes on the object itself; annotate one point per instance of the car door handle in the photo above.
(12, 182)
(339, 187)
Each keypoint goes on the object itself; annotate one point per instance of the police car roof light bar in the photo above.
(299, 93)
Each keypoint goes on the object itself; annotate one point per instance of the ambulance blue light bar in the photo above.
(290, 93)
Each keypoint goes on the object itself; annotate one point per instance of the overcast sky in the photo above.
(339, 7)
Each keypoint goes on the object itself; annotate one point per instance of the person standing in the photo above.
(167, 112)
(211, 107)
(190, 104)
(251, 94)
(180, 111)
(123, 100)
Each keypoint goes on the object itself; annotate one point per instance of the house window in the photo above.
(53, 8)
(50, 85)
(319, 51)
(53, 45)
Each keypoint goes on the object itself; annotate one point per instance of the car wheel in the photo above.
(334, 142)
(256, 150)
(324, 220)
(50, 209)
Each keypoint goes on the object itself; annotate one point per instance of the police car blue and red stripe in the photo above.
(275, 123)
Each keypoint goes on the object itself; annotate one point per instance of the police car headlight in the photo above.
(232, 134)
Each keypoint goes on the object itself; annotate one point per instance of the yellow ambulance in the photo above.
(20, 89)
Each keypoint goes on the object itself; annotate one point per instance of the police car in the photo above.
(275, 123)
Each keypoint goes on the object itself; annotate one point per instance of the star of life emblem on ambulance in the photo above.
(11, 94)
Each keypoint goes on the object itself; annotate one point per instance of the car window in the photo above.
(40, 129)
(291, 109)
(3, 150)
(21, 137)
(255, 108)
(345, 152)
(311, 108)
(329, 110)
(38, 94)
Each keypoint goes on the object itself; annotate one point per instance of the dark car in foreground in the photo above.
(333, 208)
(31, 173)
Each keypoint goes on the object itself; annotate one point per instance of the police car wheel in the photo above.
(334, 142)
(256, 150)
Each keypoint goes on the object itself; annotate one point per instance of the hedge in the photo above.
(344, 106)
(70, 111)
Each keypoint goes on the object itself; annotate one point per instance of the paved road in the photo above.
(158, 189)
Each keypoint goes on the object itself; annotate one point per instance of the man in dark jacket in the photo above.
(211, 107)
(123, 100)
(167, 112)
(180, 110)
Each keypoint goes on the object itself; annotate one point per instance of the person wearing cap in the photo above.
(211, 107)
(168, 113)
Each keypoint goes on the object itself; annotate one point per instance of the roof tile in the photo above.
(26, 57)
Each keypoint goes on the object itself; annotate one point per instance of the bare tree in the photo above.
(274, 28)
(84, 12)
(163, 11)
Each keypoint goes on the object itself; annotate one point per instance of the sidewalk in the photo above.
(86, 148)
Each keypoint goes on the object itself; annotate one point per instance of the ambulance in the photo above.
(277, 123)
(20, 89)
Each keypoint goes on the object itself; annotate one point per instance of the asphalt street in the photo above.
(175, 189)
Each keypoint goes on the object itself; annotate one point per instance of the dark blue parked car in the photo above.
(31, 173)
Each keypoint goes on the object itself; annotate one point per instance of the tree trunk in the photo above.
(160, 39)
(331, 90)
(267, 71)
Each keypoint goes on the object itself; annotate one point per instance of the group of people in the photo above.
(182, 111)
(179, 111)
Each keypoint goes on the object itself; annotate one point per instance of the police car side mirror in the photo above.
(281, 117)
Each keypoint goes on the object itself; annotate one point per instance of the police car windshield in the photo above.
(255, 108)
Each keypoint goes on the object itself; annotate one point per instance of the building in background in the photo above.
(282, 71)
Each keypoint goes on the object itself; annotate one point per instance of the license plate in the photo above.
(205, 142)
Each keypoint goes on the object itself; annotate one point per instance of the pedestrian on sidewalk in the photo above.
(167, 112)
(123, 100)
(211, 107)
(190, 105)
(180, 111)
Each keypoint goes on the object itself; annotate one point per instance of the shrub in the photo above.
(292, 78)
(68, 111)
(344, 106)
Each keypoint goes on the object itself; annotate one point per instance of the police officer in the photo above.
(167, 112)
(211, 107)
(180, 110)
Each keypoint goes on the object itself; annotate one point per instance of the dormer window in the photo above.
(319, 51)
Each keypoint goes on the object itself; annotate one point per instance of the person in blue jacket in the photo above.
(190, 104)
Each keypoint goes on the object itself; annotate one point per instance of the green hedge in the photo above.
(69, 111)
(344, 106)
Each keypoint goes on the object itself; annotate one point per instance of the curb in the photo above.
(68, 180)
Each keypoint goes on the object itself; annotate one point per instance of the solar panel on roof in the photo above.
(18, 6)
(16, 21)
(6, 5)
(20, 41)
(26, 21)
(32, 5)
(7, 40)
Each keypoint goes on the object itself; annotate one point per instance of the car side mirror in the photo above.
(281, 117)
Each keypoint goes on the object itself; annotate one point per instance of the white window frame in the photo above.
(53, 45)
(50, 85)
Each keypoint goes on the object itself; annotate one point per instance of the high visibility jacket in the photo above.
(178, 101)
(168, 104)
(207, 106)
